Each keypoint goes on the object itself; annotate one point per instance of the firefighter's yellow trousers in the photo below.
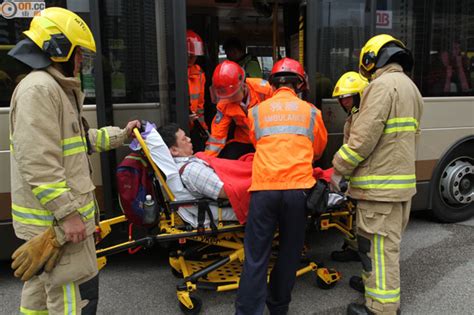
(71, 288)
(379, 229)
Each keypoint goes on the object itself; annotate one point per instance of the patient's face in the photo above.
(183, 146)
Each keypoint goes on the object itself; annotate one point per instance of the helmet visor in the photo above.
(229, 93)
(195, 48)
(346, 102)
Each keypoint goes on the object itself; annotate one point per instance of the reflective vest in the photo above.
(196, 84)
(379, 151)
(288, 134)
(50, 167)
(251, 66)
(228, 112)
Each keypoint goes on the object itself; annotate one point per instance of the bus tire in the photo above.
(453, 188)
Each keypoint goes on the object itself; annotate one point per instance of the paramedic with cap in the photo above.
(348, 91)
(379, 156)
(289, 134)
(235, 96)
(196, 85)
(53, 204)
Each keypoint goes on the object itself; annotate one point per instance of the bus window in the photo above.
(342, 35)
(441, 41)
(130, 51)
(12, 71)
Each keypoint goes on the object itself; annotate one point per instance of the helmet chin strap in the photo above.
(299, 87)
(246, 92)
(67, 68)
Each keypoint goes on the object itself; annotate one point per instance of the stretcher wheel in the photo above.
(197, 303)
(323, 285)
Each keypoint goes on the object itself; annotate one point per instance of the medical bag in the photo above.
(317, 198)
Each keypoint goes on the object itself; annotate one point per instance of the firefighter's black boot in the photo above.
(361, 309)
(358, 309)
(346, 254)
(357, 284)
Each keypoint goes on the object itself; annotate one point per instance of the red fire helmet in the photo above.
(227, 80)
(194, 43)
(286, 68)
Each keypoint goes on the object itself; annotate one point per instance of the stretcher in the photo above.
(210, 257)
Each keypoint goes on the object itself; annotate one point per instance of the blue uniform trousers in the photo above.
(270, 209)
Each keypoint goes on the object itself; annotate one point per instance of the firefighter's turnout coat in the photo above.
(50, 167)
(379, 150)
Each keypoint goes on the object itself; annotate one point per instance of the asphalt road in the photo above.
(437, 273)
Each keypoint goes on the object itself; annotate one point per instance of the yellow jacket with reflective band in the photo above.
(288, 134)
(196, 85)
(50, 168)
(379, 154)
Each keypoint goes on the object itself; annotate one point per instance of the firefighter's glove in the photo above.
(335, 183)
(42, 252)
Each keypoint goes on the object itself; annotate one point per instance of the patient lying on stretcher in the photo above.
(196, 176)
(188, 176)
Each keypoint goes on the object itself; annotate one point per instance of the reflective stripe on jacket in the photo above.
(196, 85)
(228, 112)
(50, 168)
(379, 152)
(288, 134)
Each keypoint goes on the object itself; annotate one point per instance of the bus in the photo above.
(140, 73)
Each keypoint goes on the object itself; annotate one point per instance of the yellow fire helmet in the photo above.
(350, 83)
(379, 51)
(58, 31)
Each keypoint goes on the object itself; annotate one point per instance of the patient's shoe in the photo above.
(346, 254)
(357, 284)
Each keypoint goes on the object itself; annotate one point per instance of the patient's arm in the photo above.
(201, 179)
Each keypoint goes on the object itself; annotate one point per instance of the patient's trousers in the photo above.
(284, 209)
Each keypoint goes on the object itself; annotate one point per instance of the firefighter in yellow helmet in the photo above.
(53, 204)
(348, 91)
(379, 158)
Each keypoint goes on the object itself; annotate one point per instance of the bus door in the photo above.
(267, 31)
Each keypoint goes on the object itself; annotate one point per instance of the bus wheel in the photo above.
(453, 198)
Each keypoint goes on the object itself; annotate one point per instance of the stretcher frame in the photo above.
(199, 268)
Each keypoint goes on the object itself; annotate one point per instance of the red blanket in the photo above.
(237, 177)
(319, 173)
